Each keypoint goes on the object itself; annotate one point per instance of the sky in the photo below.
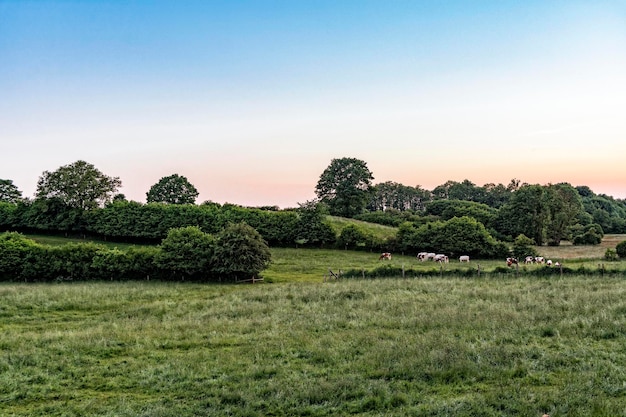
(252, 100)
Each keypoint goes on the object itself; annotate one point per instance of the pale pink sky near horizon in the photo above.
(252, 100)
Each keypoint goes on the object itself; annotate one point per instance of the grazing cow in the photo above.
(558, 264)
(464, 258)
(440, 258)
(422, 256)
(529, 260)
(549, 262)
(539, 260)
(430, 256)
(511, 261)
(385, 255)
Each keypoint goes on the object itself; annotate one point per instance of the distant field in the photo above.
(311, 265)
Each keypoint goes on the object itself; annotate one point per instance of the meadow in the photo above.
(299, 345)
(392, 347)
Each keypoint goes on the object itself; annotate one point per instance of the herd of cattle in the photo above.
(439, 257)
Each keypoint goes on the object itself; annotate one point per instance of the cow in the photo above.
(464, 258)
(549, 262)
(539, 260)
(385, 255)
(430, 256)
(440, 258)
(529, 260)
(422, 256)
(511, 261)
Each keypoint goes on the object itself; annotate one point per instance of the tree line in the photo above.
(79, 199)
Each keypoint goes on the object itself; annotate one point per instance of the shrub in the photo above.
(523, 246)
(610, 254)
(620, 249)
(187, 253)
(15, 249)
(241, 252)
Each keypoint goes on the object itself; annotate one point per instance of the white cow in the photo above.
(549, 262)
(440, 258)
(464, 258)
(385, 255)
(529, 260)
(430, 256)
(539, 260)
(422, 256)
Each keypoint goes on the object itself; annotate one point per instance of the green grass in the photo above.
(388, 347)
(379, 231)
(62, 240)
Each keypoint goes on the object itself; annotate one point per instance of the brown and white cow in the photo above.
(511, 261)
(385, 255)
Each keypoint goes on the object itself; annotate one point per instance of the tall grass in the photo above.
(393, 347)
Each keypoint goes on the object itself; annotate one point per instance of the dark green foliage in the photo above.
(587, 235)
(525, 213)
(447, 209)
(9, 193)
(175, 189)
(457, 236)
(15, 251)
(620, 249)
(523, 246)
(563, 205)
(393, 196)
(241, 253)
(7, 215)
(345, 186)
(187, 252)
(393, 217)
(79, 185)
(604, 210)
(352, 237)
(311, 228)
(49, 215)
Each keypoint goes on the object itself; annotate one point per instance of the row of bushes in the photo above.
(131, 221)
(187, 254)
(388, 271)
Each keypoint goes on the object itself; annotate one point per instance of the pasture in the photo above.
(388, 347)
(296, 345)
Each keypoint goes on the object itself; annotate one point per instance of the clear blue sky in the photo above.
(250, 100)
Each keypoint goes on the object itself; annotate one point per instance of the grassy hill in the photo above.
(377, 230)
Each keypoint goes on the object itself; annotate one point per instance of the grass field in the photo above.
(392, 347)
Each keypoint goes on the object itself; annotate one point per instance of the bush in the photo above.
(187, 252)
(620, 249)
(610, 254)
(15, 249)
(241, 253)
(523, 246)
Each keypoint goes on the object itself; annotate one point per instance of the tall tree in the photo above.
(79, 185)
(175, 189)
(564, 205)
(345, 186)
(392, 195)
(525, 213)
(9, 192)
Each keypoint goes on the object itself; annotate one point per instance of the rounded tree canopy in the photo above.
(175, 189)
(79, 185)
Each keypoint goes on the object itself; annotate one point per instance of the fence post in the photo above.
(478, 270)
(402, 270)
